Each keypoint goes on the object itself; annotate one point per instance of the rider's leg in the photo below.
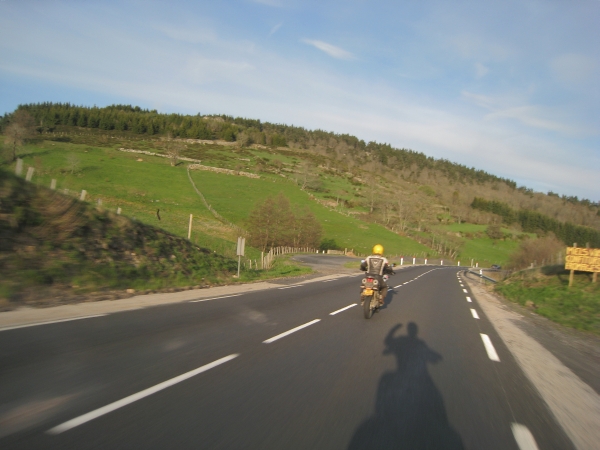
(383, 291)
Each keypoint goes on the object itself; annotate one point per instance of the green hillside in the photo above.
(140, 185)
(361, 193)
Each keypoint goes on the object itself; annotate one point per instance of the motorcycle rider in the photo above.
(376, 265)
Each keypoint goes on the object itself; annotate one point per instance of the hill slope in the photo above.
(54, 248)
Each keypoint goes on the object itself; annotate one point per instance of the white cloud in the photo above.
(203, 70)
(480, 70)
(274, 29)
(331, 50)
(574, 69)
(477, 47)
(530, 115)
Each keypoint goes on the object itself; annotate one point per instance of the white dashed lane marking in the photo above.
(343, 309)
(523, 436)
(135, 397)
(214, 298)
(489, 347)
(293, 330)
(475, 315)
(469, 299)
(465, 291)
(289, 287)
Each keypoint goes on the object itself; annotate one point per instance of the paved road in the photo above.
(238, 372)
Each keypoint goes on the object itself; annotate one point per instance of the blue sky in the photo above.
(510, 87)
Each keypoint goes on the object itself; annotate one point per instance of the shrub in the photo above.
(540, 251)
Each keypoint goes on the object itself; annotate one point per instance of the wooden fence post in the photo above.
(571, 274)
(19, 167)
(190, 226)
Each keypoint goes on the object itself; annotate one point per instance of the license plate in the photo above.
(368, 292)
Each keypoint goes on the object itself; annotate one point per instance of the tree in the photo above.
(273, 224)
(19, 130)
(328, 244)
(307, 230)
(539, 251)
(494, 231)
(173, 149)
(263, 225)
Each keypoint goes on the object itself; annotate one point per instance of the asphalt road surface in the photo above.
(295, 367)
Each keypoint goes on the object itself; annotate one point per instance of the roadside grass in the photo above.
(283, 267)
(548, 293)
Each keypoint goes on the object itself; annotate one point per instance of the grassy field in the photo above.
(548, 293)
(235, 197)
(140, 185)
(477, 246)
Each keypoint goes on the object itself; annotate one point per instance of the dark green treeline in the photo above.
(248, 131)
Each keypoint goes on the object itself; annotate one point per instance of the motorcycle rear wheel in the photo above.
(367, 306)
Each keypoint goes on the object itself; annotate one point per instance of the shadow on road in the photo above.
(389, 298)
(409, 410)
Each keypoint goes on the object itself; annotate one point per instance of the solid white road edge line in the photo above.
(469, 299)
(523, 436)
(135, 397)
(51, 321)
(475, 315)
(214, 298)
(489, 347)
(289, 287)
(293, 330)
(343, 309)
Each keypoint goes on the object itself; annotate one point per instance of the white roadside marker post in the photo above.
(19, 167)
(241, 243)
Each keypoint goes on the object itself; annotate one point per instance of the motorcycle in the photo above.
(370, 294)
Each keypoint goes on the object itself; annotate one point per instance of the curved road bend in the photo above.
(296, 367)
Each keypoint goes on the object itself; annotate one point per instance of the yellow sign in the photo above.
(583, 259)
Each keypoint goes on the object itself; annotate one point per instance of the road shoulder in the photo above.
(28, 316)
(574, 403)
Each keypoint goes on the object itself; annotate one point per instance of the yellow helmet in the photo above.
(378, 250)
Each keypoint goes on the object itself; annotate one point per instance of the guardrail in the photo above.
(481, 275)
